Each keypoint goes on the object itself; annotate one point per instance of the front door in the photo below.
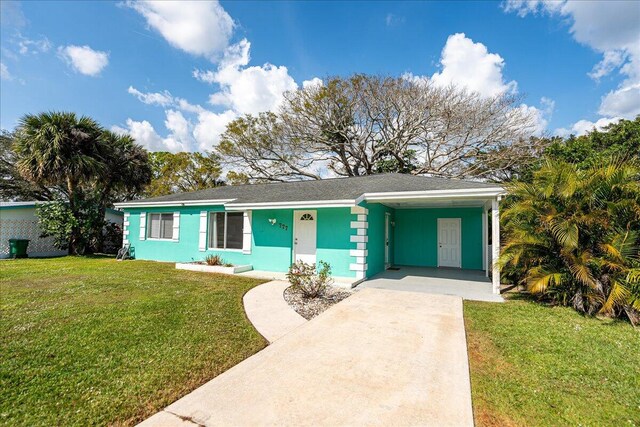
(304, 236)
(449, 242)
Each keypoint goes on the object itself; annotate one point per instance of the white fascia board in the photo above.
(174, 203)
(408, 195)
(288, 205)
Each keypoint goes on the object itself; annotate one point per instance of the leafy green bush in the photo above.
(56, 219)
(310, 280)
(573, 236)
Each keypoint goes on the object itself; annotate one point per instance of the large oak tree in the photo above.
(364, 124)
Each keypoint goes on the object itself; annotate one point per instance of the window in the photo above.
(306, 217)
(160, 226)
(225, 230)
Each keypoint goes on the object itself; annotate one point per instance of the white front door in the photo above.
(387, 224)
(304, 236)
(449, 242)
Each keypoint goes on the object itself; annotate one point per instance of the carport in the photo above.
(441, 242)
(468, 284)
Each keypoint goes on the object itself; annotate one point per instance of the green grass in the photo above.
(89, 341)
(537, 365)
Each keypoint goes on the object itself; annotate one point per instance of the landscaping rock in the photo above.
(311, 307)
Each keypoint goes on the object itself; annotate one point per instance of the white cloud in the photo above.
(27, 46)
(471, 65)
(184, 134)
(209, 128)
(4, 72)
(611, 60)
(611, 28)
(200, 28)
(152, 98)
(584, 126)
(84, 59)
(312, 83)
(143, 132)
(624, 101)
(247, 90)
(540, 116)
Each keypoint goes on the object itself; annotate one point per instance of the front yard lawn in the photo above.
(538, 365)
(89, 341)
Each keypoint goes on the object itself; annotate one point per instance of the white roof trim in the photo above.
(295, 204)
(488, 192)
(430, 194)
(173, 203)
(19, 204)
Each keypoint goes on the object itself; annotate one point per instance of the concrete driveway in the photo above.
(378, 358)
(468, 284)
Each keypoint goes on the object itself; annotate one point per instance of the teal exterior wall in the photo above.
(271, 246)
(416, 235)
(376, 243)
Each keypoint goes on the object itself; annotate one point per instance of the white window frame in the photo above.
(212, 230)
(148, 225)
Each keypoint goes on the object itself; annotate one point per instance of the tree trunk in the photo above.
(73, 239)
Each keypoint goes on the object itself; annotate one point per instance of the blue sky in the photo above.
(173, 74)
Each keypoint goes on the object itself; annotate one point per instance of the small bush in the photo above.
(309, 279)
(111, 238)
(214, 260)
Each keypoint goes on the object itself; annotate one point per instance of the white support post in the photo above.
(485, 231)
(202, 239)
(246, 232)
(176, 227)
(143, 225)
(495, 244)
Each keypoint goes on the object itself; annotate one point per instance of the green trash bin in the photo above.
(18, 248)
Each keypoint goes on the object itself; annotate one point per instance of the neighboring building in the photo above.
(360, 225)
(18, 221)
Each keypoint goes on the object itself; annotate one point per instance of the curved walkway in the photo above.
(269, 312)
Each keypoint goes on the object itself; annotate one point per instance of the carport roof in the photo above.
(333, 189)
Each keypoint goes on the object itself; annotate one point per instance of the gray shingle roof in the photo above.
(327, 189)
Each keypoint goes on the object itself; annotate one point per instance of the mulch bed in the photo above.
(311, 307)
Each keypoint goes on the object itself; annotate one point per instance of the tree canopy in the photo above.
(366, 124)
(174, 173)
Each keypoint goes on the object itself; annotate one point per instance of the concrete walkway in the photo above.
(378, 358)
(269, 312)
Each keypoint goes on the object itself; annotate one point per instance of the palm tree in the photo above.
(126, 174)
(573, 236)
(127, 169)
(60, 149)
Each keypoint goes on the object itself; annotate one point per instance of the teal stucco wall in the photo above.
(271, 247)
(416, 234)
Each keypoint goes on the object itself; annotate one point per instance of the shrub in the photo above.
(111, 238)
(572, 237)
(214, 260)
(310, 280)
(71, 230)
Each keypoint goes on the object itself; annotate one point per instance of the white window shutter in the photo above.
(202, 243)
(246, 233)
(143, 225)
(176, 226)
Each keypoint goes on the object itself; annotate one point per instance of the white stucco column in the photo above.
(485, 231)
(495, 244)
